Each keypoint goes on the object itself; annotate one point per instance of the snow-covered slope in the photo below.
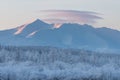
(32, 28)
(39, 33)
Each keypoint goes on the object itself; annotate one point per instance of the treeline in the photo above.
(50, 63)
(52, 54)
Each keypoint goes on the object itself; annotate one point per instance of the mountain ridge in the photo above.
(68, 35)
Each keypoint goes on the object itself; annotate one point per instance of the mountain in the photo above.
(32, 28)
(39, 33)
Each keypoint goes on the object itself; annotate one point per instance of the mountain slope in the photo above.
(40, 33)
(32, 28)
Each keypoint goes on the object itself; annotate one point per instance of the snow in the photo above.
(31, 34)
(57, 25)
(20, 29)
(48, 63)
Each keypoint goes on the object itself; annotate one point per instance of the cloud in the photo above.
(69, 16)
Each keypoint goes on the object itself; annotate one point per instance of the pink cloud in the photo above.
(69, 16)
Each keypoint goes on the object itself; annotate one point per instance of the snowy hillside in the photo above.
(39, 33)
(48, 63)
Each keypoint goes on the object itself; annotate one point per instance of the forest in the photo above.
(51, 63)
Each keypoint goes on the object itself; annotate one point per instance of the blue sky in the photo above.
(17, 12)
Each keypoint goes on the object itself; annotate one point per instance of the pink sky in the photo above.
(18, 12)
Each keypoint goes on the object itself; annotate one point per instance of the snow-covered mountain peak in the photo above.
(67, 35)
(38, 21)
(35, 26)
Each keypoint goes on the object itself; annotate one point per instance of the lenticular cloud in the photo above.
(69, 16)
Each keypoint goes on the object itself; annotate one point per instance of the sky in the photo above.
(99, 13)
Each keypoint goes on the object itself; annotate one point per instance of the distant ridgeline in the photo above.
(77, 36)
